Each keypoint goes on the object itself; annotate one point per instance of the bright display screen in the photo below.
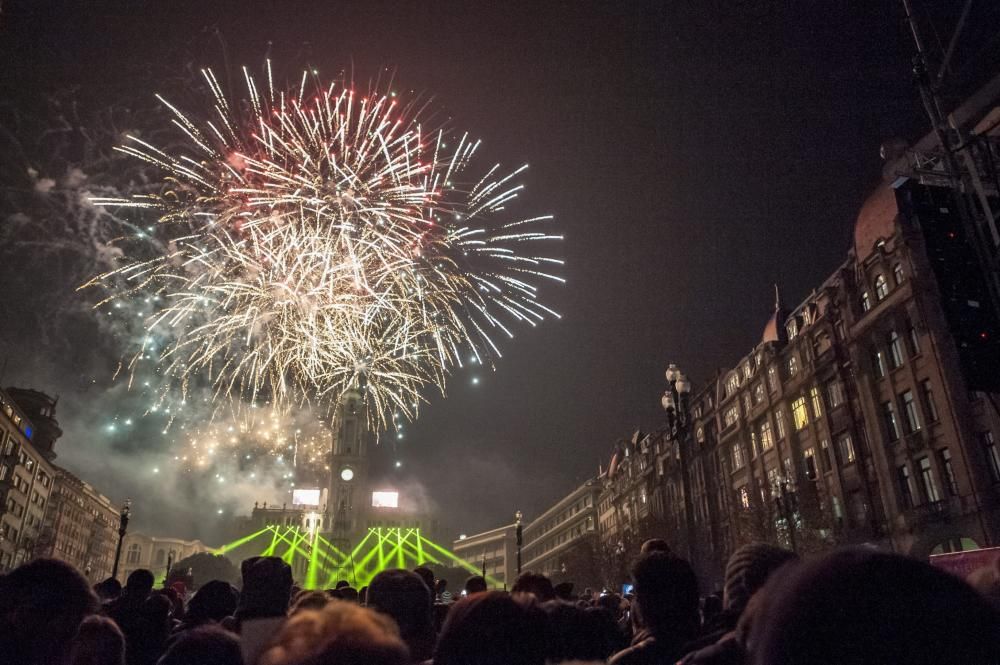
(305, 497)
(385, 499)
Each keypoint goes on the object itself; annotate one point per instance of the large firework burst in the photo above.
(322, 241)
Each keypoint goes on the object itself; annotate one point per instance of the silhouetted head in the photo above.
(748, 569)
(427, 575)
(267, 587)
(563, 591)
(654, 545)
(492, 628)
(538, 585)
(475, 584)
(203, 645)
(108, 589)
(341, 633)
(573, 633)
(309, 600)
(139, 583)
(865, 607)
(349, 593)
(341, 584)
(666, 591)
(41, 606)
(214, 601)
(98, 641)
(403, 596)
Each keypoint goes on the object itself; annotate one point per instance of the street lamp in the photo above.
(122, 528)
(519, 536)
(675, 403)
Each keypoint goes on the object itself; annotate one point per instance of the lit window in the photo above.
(824, 454)
(895, 350)
(766, 438)
(732, 383)
(731, 415)
(753, 443)
(779, 422)
(891, 424)
(878, 364)
(744, 497)
(927, 480)
(910, 409)
(746, 371)
(944, 459)
(835, 393)
(881, 287)
(700, 435)
(817, 402)
(845, 446)
(772, 379)
(738, 461)
(758, 393)
(866, 302)
(746, 403)
(793, 365)
(897, 274)
(800, 415)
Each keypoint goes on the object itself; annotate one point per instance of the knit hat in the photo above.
(747, 570)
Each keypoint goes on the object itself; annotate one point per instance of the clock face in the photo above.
(347, 474)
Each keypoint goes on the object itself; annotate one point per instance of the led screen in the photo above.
(385, 499)
(305, 497)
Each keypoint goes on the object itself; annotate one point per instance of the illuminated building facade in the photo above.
(81, 527)
(494, 552)
(26, 472)
(154, 553)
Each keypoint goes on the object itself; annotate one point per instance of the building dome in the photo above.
(876, 221)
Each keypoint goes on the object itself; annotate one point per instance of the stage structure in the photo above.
(350, 520)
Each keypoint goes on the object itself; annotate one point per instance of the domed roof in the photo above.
(774, 330)
(876, 221)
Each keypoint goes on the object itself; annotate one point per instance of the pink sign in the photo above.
(963, 563)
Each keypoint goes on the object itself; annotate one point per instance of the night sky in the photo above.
(694, 153)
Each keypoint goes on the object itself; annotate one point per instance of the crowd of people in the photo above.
(852, 606)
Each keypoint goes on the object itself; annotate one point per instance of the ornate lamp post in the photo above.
(675, 403)
(122, 528)
(519, 536)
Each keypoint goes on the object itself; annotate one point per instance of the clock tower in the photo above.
(349, 491)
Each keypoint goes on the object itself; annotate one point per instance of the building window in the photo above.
(732, 415)
(866, 302)
(881, 287)
(753, 443)
(910, 409)
(779, 422)
(817, 402)
(927, 479)
(4, 470)
(913, 338)
(793, 365)
(951, 483)
(700, 435)
(744, 497)
(905, 486)
(845, 446)
(835, 393)
(895, 350)
(738, 462)
(732, 383)
(992, 455)
(824, 454)
(133, 553)
(809, 456)
(800, 415)
(897, 274)
(772, 379)
(878, 364)
(758, 393)
(930, 406)
(766, 438)
(746, 403)
(747, 372)
(891, 424)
